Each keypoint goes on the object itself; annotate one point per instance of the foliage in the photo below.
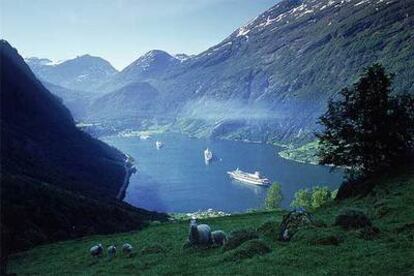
(367, 129)
(311, 199)
(274, 196)
(302, 199)
(320, 195)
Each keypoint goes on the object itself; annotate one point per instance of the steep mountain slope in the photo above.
(83, 73)
(76, 101)
(43, 154)
(287, 62)
(134, 100)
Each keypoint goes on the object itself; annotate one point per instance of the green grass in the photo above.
(390, 207)
(304, 154)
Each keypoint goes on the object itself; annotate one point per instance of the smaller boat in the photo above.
(144, 137)
(208, 155)
(159, 145)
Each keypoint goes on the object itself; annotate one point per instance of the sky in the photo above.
(121, 30)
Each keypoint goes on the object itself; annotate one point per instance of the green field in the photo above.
(304, 154)
(391, 252)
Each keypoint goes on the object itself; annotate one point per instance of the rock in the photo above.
(292, 222)
(236, 238)
(352, 219)
(248, 250)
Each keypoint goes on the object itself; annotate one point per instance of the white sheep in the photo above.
(96, 250)
(127, 249)
(199, 234)
(111, 251)
(219, 237)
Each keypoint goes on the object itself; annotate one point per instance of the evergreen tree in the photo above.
(367, 129)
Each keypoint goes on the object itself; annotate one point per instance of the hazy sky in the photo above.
(121, 30)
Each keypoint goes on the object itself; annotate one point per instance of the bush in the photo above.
(352, 219)
(236, 238)
(269, 229)
(320, 196)
(304, 198)
(274, 196)
(248, 250)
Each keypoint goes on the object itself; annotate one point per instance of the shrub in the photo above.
(320, 196)
(236, 238)
(274, 196)
(302, 199)
(352, 219)
(269, 229)
(248, 250)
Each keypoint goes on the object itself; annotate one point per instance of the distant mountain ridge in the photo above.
(288, 61)
(83, 73)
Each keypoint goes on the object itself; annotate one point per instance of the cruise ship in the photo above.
(250, 178)
(208, 155)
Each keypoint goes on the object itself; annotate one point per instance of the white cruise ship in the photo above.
(250, 178)
(208, 155)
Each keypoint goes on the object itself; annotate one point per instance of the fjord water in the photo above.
(176, 178)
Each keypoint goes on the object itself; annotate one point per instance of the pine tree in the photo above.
(367, 129)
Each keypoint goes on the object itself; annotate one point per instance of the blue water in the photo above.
(176, 178)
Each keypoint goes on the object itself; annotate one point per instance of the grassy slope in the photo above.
(391, 253)
(303, 154)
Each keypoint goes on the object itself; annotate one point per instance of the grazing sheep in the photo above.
(96, 250)
(199, 234)
(111, 251)
(219, 237)
(127, 249)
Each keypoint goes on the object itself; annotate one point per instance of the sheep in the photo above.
(219, 237)
(199, 234)
(96, 250)
(127, 249)
(111, 251)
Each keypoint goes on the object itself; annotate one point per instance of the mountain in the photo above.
(284, 65)
(83, 73)
(131, 101)
(76, 101)
(51, 171)
(153, 65)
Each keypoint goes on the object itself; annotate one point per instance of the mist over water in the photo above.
(213, 110)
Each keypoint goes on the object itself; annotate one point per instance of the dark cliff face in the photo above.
(56, 181)
(40, 139)
(289, 61)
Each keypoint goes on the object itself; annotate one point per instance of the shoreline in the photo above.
(129, 170)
